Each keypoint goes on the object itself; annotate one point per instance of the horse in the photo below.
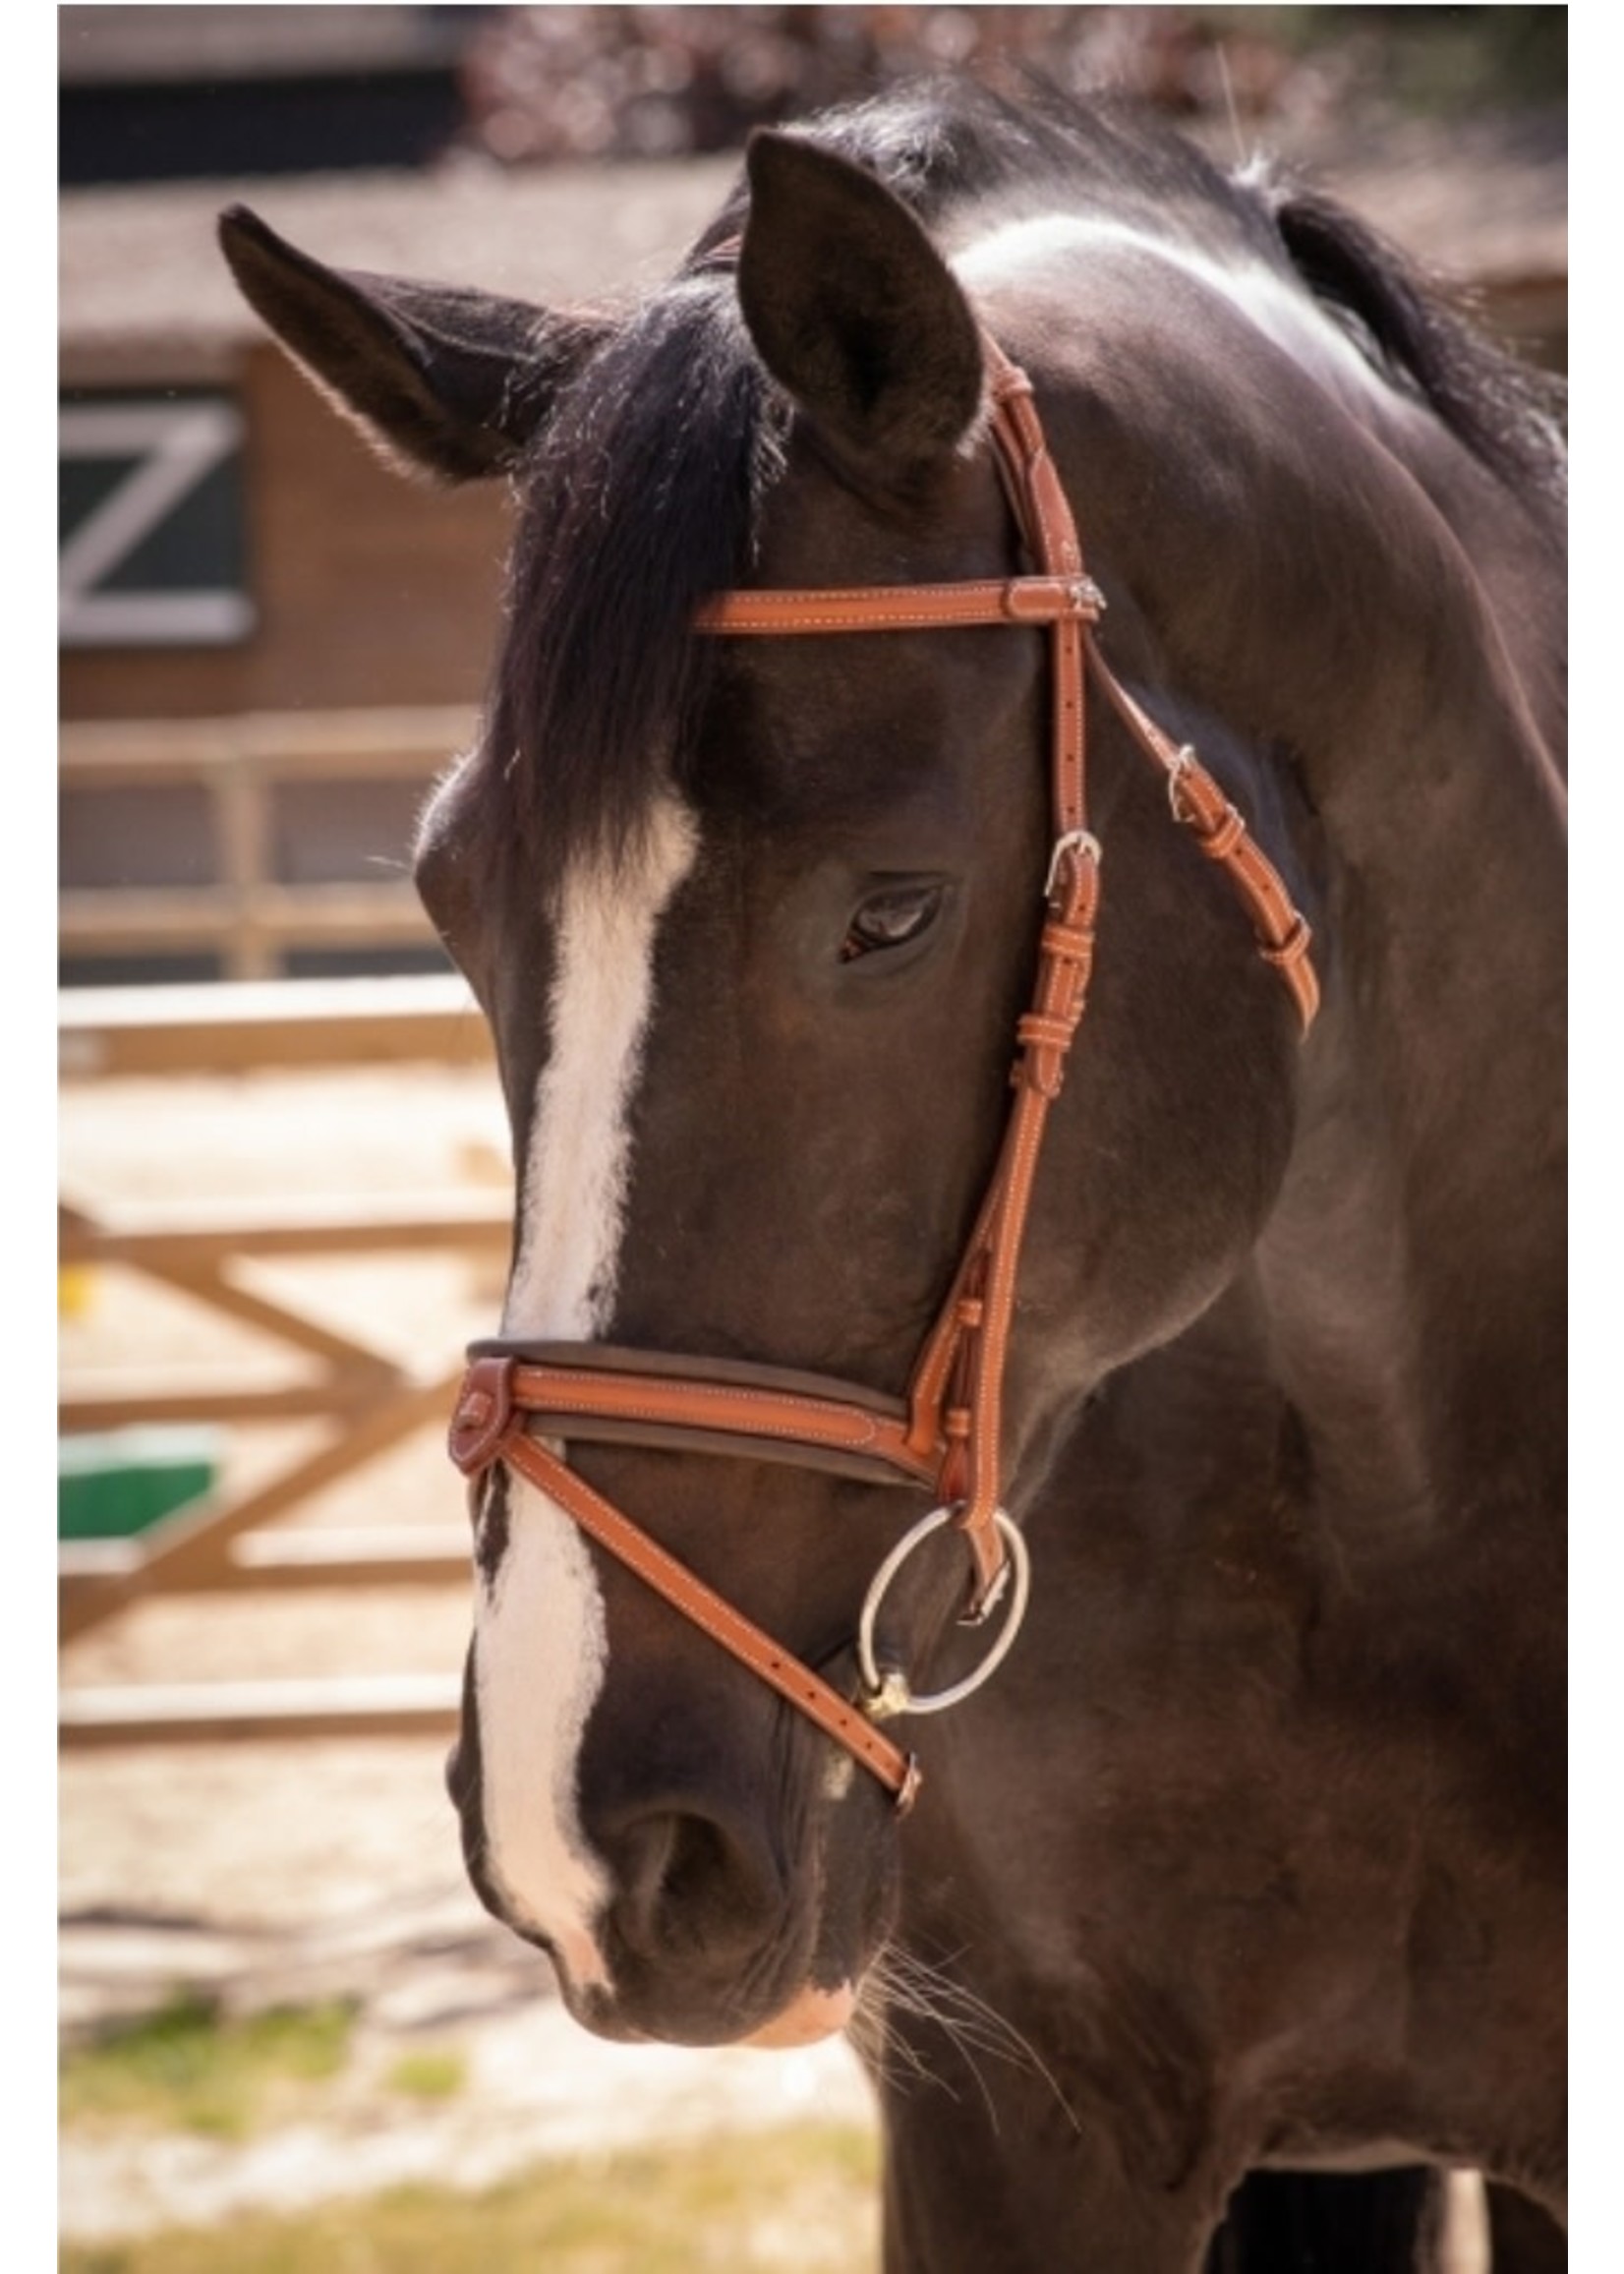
(1015, 864)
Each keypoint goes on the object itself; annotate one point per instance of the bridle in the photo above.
(944, 1434)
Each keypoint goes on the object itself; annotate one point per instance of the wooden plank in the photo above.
(353, 1555)
(199, 1540)
(210, 1712)
(188, 1236)
(79, 1562)
(289, 745)
(176, 916)
(133, 1399)
(109, 918)
(243, 842)
(285, 1563)
(280, 1561)
(227, 1286)
(232, 1028)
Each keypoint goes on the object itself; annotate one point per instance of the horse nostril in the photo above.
(684, 1883)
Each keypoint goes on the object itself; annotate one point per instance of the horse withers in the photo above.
(1015, 865)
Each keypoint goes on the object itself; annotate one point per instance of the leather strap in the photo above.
(947, 1433)
(488, 1425)
(1017, 600)
(591, 1392)
(1200, 806)
(971, 1343)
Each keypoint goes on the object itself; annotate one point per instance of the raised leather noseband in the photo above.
(945, 1434)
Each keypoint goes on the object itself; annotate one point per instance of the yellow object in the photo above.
(75, 1286)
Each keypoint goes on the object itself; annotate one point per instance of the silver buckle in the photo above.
(1183, 760)
(1082, 843)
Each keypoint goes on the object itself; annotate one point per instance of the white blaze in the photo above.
(539, 1635)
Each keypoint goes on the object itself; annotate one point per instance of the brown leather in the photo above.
(489, 1426)
(961, 1372)
(947, 1434)
(1030, 600)
(599, 1393)
(1196, 802)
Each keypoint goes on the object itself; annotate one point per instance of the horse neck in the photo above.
(1414, 1270)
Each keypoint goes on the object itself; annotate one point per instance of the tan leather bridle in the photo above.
(945, 1434)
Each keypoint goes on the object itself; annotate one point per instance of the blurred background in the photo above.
(283, 1178)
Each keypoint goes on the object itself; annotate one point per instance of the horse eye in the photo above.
(890, 919)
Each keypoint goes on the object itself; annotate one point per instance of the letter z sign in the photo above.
(151, 523)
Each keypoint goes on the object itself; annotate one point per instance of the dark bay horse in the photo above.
(1229, 1911)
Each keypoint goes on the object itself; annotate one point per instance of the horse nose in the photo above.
(688, 1883)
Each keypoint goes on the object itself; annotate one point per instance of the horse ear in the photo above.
(854, 310)
(453, 382)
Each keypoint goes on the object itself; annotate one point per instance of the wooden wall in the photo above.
(372, 589)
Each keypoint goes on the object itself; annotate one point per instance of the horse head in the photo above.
(755, 923)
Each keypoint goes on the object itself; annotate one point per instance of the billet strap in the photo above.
(488, 1425)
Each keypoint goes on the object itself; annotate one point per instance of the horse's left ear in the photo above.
(854, 310)
(451, 382)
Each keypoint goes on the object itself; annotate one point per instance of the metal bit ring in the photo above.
(885, 1691)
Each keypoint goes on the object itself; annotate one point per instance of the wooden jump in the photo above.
(367, 1395)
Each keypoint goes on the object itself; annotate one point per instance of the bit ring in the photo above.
(886, 1690)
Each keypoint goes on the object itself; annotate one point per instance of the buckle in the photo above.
(1080, 842)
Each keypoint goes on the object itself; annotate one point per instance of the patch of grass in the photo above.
(188, 2068)
(803, 2200)
(429, 2074)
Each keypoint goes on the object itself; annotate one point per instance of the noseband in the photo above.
(944, 1436)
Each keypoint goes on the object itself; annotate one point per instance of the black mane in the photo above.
(641, 497)
(644, 492)
(1506, 413)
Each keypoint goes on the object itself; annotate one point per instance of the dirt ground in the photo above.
(264, 1872)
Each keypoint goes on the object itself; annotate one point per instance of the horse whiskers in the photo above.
(883, 2053)
(901, 1982)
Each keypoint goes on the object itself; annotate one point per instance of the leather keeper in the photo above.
(1219, 842)
(1051, 600)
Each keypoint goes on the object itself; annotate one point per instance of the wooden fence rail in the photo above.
(103, 1031)
(242, 912)
(366, 1395)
